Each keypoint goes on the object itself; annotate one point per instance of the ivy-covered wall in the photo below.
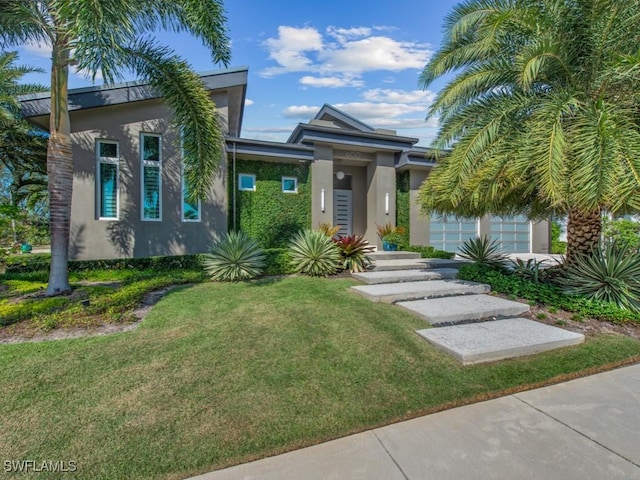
(269, 215)
(403, 203)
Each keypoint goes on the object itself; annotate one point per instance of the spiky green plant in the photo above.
(611, 273)
(234, 258)
(532, 269)
(354, 250)
(483, 250)
(313, 253)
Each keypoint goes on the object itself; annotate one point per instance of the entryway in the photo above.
(343, 211)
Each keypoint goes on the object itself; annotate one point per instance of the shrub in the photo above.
(483, 250)
(328, 229)
(236, 257)
(389, 229)
(313, 253)
(354, 250)
(621, 232)
(531, 270)
(278, 261)
(611, 273)
(429, 252)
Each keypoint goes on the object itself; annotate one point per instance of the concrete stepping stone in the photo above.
(412, 264)
(398, 255)
(490, 341)
(394, 292)
(468, 308)
(376, 277)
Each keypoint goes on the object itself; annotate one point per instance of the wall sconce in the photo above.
(340, 175)
(386, 203)
(322, 200)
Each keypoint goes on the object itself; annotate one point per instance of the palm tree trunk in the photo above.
(59, 170)
(583, 232)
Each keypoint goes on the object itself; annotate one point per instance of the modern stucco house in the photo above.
(128, 194)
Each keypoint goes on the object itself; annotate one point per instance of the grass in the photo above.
(219, 374)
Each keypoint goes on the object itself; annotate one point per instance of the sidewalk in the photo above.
(587, 428)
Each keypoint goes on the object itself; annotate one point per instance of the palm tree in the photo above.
(111, 36)
(542, 116)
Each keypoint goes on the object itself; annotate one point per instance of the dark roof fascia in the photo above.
(416, 157)
(38, 104)
(269, 149)
(307, 133)
(343, 117)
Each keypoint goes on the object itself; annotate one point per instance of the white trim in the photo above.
(253, 177)
(150, 164)
(295, 180)
(110, 161)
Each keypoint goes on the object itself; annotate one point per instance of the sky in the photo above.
(363, 57)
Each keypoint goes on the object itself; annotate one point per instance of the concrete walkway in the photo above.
(585, 429)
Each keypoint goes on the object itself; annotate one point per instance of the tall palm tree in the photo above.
(109, 37)
(542, 115)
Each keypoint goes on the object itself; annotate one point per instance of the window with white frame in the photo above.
(247, 182)
(289, 184)
(190, 210)
(151, 176)
(108, 169)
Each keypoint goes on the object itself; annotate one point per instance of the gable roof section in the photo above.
(331, 114)
(39, 104)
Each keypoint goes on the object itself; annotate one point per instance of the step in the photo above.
(465, 309)
(395, 292)
(415, 264)
(399, 255)
(395, 276)
(490, 341)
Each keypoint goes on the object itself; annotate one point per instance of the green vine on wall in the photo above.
(269, 215)
(403, 204)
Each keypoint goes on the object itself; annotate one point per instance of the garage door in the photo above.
(514, 233)
(448, 232)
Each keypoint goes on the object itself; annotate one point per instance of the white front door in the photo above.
(342, 211)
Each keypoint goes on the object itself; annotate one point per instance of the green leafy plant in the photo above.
(236, 257)
(393, 238)
(532, 269)
(611, 273)
(313, 253)
(389, 229)
(429, 252)
(328, 229)
(354, 250)
(484, 251)
(621, 231)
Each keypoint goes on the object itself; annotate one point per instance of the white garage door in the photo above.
(449, 232)
(514, 233)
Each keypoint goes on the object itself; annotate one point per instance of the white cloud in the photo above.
(248, 102)
(331, 82)
(421, 97)
(304, 112)
(342, 51)
(290, 48)
(40, 49)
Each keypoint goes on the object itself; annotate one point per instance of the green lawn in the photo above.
(220, 374)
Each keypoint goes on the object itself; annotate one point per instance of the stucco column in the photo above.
(540, 237)
(418, 222)
(322, 186)
(381, 195)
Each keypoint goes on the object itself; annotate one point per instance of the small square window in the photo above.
(290, 184)
(247, 182)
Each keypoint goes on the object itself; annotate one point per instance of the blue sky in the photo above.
(363, 57)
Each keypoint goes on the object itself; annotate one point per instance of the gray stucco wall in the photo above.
(129, 236)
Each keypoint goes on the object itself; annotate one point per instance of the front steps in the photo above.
(472, 327)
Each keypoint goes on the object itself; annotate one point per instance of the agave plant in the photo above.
(313, 253)
(354, 250)
(531, 270)
(236, 257)
(611, 274)
(483, 250)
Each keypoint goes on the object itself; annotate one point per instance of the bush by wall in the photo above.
(429, 252)
(278, 262)
(268, 214)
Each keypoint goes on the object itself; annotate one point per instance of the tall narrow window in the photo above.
(107, 179)
(151, 164)
(190, 210)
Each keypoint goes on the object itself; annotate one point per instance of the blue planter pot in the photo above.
(389, 247)
(25, 248)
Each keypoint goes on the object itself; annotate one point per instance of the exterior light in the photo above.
(322, 200)
(386, 203)
(340, 175)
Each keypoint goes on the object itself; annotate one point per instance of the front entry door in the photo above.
(342, 211)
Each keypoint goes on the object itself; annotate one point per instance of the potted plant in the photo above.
(391, 236)
(391, 241)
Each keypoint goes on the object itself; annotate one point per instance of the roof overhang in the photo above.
(310, 134)
(269, 151)
(418, 158)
